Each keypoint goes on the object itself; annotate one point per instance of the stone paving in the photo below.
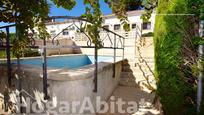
(144, 101)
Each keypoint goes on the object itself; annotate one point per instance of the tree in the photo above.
(134, 5)
(28, 14)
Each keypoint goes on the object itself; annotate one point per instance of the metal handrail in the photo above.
(12, 25)
(118, 37)
(82, 19)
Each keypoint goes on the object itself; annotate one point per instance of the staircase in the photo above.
(137, 82)
(138, 72)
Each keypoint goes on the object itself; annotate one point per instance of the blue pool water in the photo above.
(74, 61)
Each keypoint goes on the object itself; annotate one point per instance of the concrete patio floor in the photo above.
(144, 101)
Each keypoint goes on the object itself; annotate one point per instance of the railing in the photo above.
(109, 39)
(106, 36)
(5, 44)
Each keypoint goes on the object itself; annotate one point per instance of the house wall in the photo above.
(52, 49)
(134, 17)
(80, 39)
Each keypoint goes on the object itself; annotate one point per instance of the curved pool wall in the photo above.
(66, 61)
(69, 85)
(73, 61)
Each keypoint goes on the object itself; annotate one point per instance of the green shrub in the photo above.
(3, 54)
(31, 53)
(176, 93)
(197, 41)
(27, 53)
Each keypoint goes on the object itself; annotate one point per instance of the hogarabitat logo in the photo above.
(36, 105)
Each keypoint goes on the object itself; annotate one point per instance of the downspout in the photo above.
(200, 66)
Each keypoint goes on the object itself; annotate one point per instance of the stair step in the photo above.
(129, 62)
(143, 70)
(148, 60)
(132, 72)
(134, 79)
(135, 83)
(141, 78)
(137, 79)
(128, 79)
(135, 73)
(146, 50)
(129, 84)
(146, 57)
(135, 65)
(138, 70)
(127, 68)
(128, 74)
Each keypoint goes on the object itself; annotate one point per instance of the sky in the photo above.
(78, 10)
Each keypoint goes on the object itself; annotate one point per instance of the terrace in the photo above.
(70, 77)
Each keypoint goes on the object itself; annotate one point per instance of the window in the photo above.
(65, 32)
(117, 27)
(146, 25)
(133, 26)
(106, 27)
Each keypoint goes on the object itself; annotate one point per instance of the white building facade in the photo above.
(110, 22)
(134, 17)
(71, 30)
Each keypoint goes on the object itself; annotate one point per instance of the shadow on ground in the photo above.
(134, 94)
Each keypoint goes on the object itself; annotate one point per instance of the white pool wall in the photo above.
(71, 84)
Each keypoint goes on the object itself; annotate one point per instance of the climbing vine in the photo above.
(34, 13)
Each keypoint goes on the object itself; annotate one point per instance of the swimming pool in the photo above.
(66, 61)
(65, 84)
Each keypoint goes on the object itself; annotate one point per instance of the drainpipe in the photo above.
(200, 75)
